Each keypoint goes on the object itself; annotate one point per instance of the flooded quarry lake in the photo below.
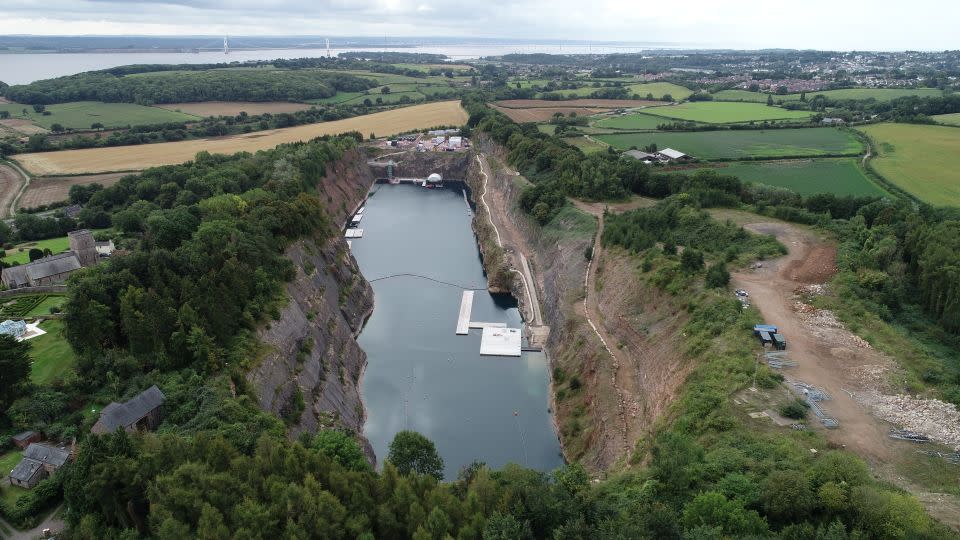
(421, 375)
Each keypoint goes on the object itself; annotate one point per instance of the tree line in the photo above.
(189, 86)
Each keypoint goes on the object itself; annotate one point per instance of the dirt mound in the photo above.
(818, 266)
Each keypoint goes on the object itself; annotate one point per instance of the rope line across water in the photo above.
(406, 274)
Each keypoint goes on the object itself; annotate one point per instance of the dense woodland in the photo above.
(189, 86)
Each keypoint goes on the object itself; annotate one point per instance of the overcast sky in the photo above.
(816, 24)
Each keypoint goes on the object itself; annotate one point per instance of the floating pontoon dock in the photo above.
(500, 342)
(353, 233)
(466, 307)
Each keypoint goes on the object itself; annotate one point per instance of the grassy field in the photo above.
(638, 121)
(51, 354)
(922, 160)
(948, 119)
(43, 308)
(840, 176)
(95, 160)
(233, 108)
(83, 114)
(713, 112)
(744, 144)
(586, 145)
(879, 94)
(658, 89)
(544, 114)
(21, 252)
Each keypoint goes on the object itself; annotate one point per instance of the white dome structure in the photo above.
(434, 178)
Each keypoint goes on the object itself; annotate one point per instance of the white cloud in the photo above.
(736, 23)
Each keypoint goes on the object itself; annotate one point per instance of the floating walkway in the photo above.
(497, 339)
(466, 307)
(353, 233)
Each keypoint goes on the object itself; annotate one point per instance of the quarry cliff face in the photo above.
(310, 373)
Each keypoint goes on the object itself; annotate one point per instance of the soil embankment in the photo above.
(858, 378)
(604, 403)
(311, 370)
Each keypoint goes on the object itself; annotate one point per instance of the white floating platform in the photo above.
(474, 324)
(466, 306)
(356, 218)
(360, 211)
(500, 342)
(353, 233)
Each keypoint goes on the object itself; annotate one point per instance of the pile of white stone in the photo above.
(936, 419)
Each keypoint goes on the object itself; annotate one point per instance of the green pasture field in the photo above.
(948, 119)
(879, 94)
(339, 97)
(921, 159)
(21, 252)
(51, 354)
(840, 176)
(586, 145)
(713, 112)
(741, 144)
(83, 114)
(658, 89)
(638, 121)
(742, 95)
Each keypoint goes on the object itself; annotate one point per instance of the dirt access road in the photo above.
(13, 182)
(832, 358)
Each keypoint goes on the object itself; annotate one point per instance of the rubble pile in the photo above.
(936, 419)
(871, 375)
(816, 289)
(820, 318)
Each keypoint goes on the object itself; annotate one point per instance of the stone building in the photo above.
(141, 412)
(39, 461)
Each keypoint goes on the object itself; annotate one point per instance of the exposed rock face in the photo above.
(310, 372)
(314, 352)
(451, 165)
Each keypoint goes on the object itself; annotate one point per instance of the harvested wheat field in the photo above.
(135, 158)
(585, 102)
(10, 182)
(22, 126)
(544, 114)
(57, 188)
(233, 108)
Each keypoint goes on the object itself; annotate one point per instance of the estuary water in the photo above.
(420, 374)
(26, 68)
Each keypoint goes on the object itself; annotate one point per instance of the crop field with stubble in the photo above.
(745, 144)
(135, 158)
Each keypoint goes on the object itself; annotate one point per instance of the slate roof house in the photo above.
(39, 461)
(54, 269)
(23, 440)
(141, 412)
(50, 270)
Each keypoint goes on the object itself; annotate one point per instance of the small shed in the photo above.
(23, 440)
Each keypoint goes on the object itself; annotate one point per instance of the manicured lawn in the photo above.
(948, 119)
(21, 252)
(43, 308)
(632, 121)
(83, 114)
(741, 144)
(713, 112)
(923, 160)
(8, 461)
(808, 177)
(51, 354)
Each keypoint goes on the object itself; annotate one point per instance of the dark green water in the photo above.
(420, 374)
